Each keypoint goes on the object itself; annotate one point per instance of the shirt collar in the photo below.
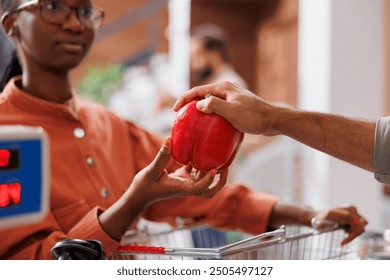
(27, 102)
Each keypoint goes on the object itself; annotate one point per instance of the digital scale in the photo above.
(24, 175)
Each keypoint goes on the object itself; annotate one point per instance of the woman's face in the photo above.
(54, 47)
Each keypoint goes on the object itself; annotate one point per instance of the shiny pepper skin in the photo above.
(207, 141)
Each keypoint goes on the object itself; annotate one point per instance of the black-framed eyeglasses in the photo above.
(57, 12)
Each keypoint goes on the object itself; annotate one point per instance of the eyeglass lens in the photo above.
(57, 12)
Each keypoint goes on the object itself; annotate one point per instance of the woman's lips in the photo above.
(72, 47)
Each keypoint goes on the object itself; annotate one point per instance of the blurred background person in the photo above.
(210, 57)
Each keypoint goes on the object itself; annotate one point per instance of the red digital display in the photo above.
(4, 158)
(10, 194)
(9, 159)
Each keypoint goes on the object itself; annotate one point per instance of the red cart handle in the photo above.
(141, 249)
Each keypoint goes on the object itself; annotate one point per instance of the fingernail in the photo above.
(200, 105)
(213, 173)
(167, 142)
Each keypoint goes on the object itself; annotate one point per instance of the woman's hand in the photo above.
(153, 183)
(346, 217)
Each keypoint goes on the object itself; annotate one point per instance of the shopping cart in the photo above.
(200, 243)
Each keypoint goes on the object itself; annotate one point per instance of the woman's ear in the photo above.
(9, 24)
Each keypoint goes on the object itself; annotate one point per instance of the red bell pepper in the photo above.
(206, 141)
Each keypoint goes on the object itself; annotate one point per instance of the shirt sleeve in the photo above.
(382, 150)
(39, 239)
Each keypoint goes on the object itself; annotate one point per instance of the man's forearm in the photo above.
(350, 140)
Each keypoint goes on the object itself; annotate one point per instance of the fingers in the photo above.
(211, 184)
(340, 216)
(201, 184)
(217, 185)
(200, 92)
(204, 183)
(347, 217)
(354, 231)
(332, 218)
(157, 166)
(197, 175)
(188, 168)
(212, 104)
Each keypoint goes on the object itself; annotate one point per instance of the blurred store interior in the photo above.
(324, 55)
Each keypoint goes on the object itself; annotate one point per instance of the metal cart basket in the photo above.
(199, 243)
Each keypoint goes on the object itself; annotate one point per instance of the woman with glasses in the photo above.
(105, 171)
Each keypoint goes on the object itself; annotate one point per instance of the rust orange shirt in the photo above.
(94, 156)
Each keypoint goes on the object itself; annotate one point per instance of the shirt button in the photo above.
(91, 161)
(104, 192)
(79, 132)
